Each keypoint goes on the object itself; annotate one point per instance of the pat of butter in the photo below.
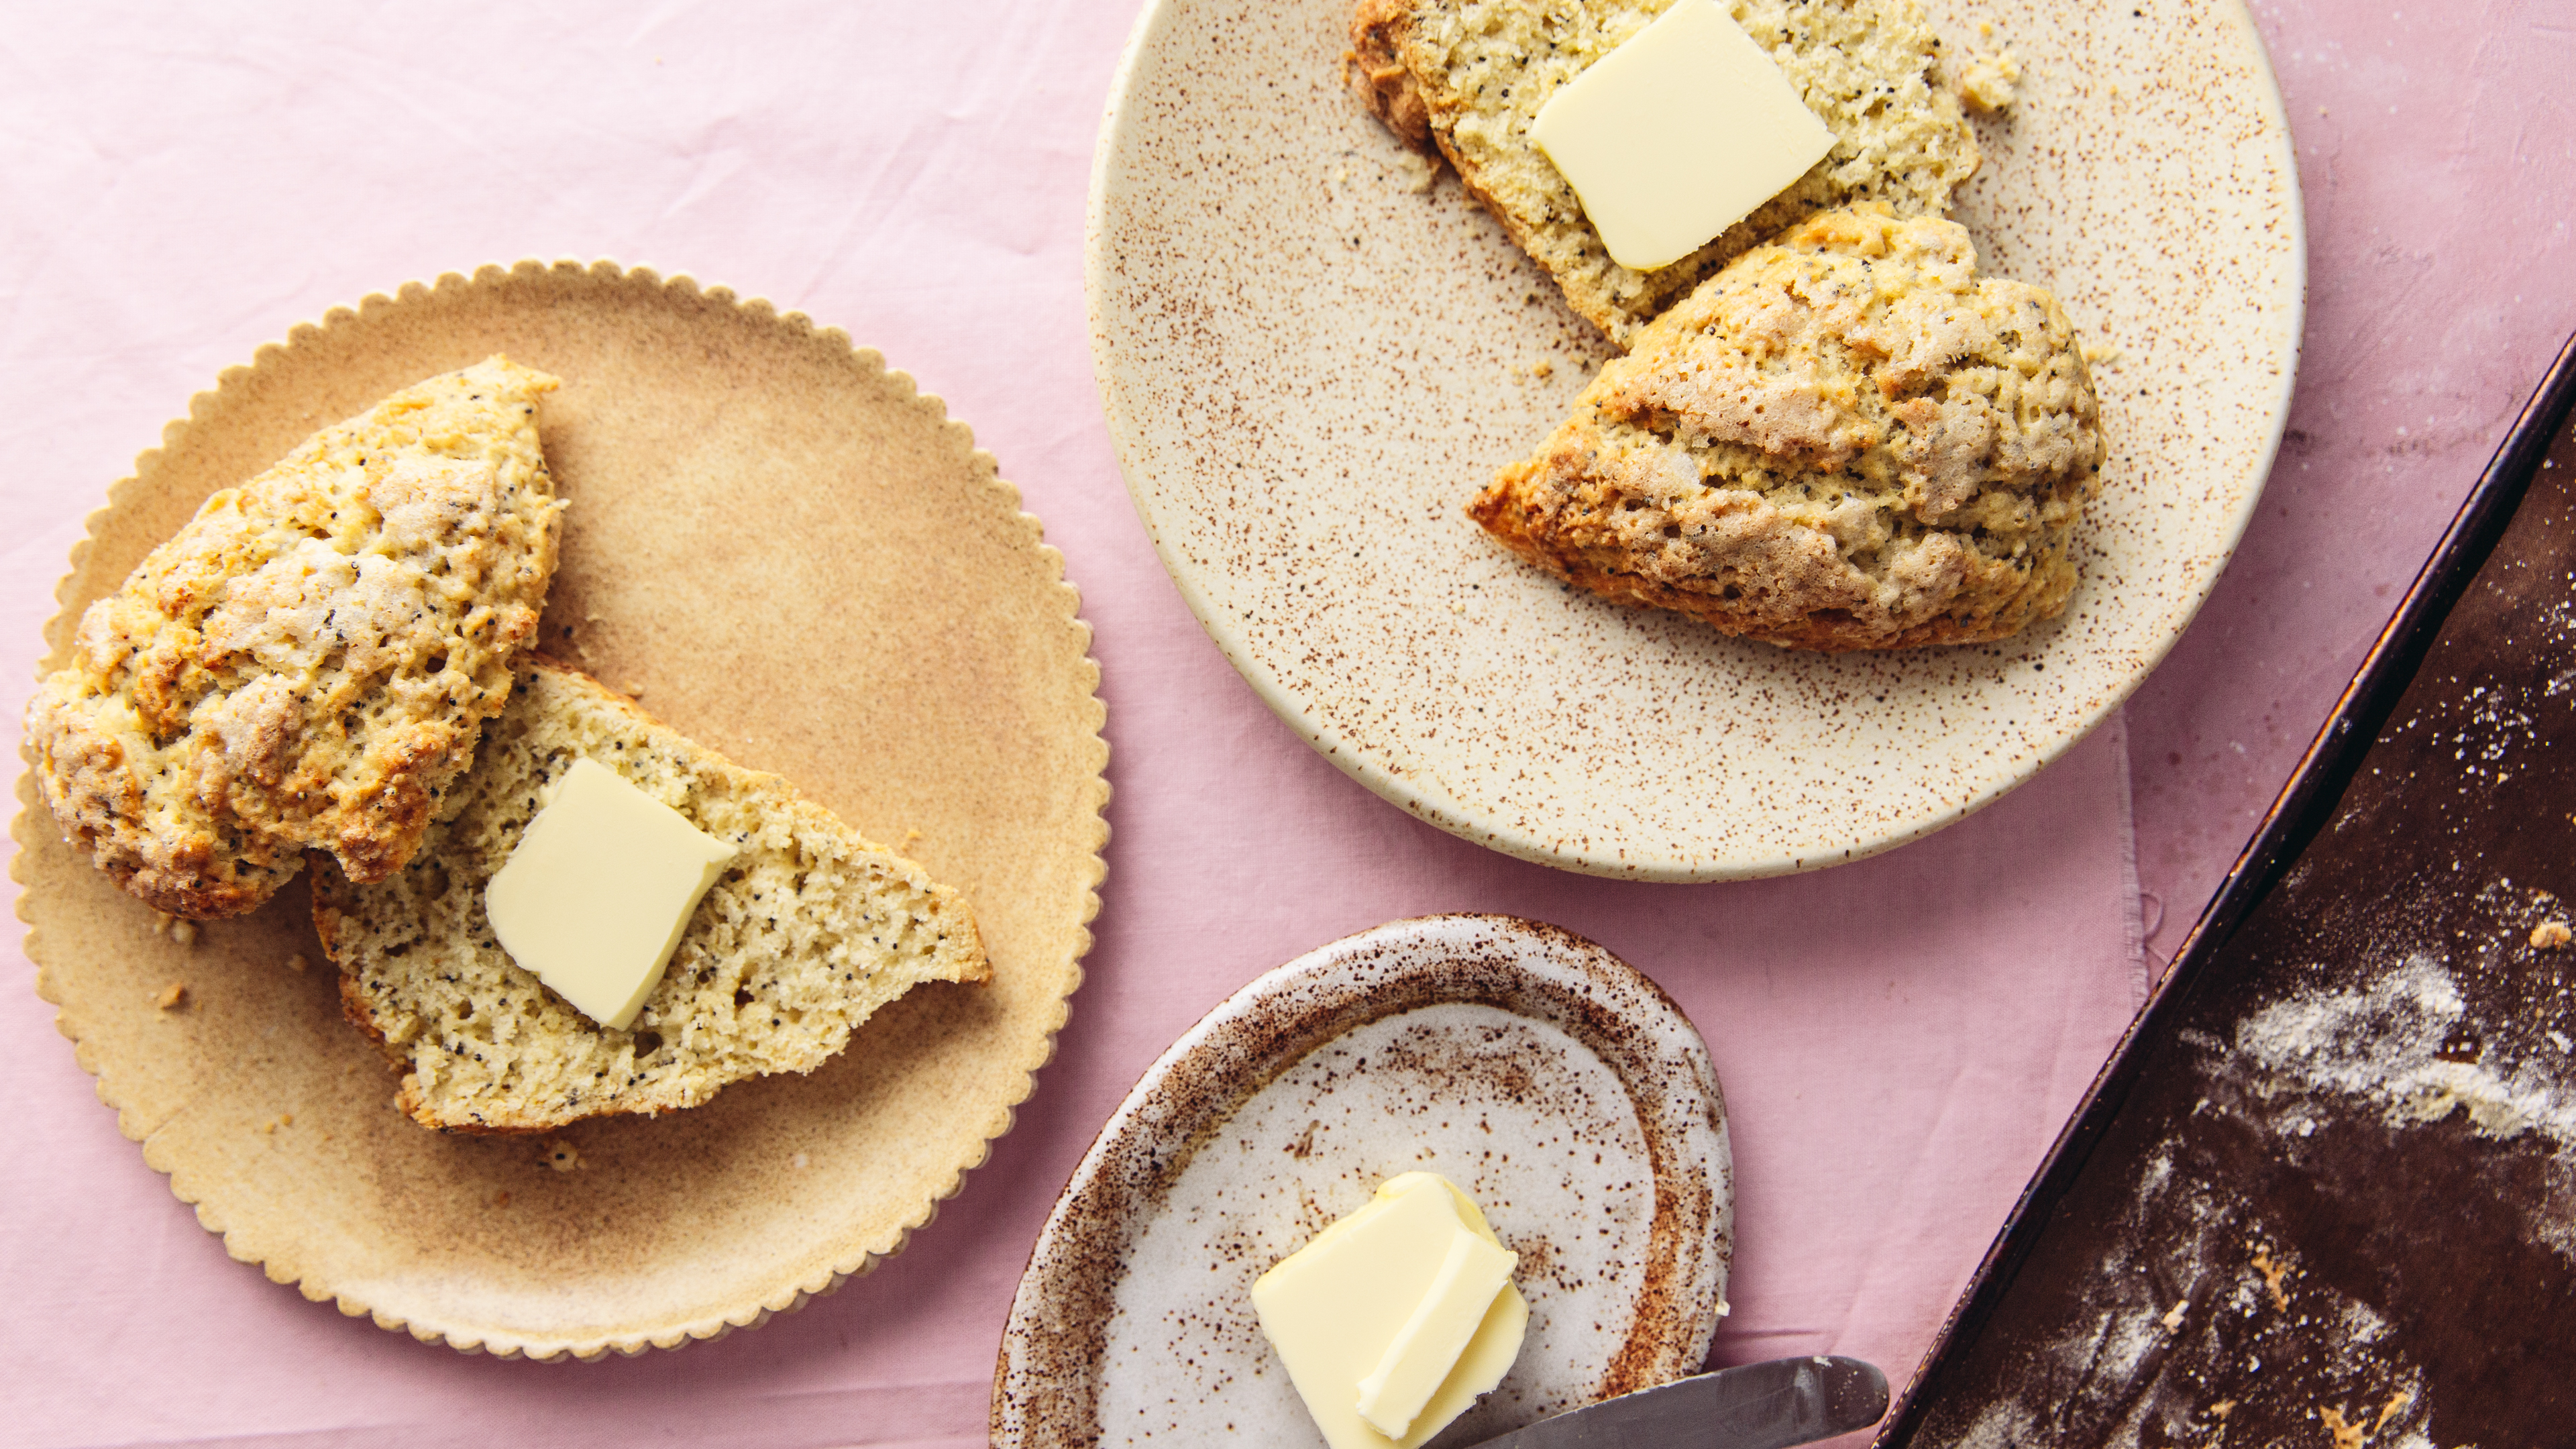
(1678, 134)
(1423, 1352)
(1393, 1321)
(601, 886)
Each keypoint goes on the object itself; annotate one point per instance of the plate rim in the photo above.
(32, 827)
(1120, 117)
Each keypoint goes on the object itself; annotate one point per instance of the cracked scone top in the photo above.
(306, 662)
(1469, 76)
(806, 934)
(1844, 440)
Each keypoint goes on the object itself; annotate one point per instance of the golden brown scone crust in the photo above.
(1374, 65)
(306, 663)
(809, 930)
(1469, 76)
(1844, 440)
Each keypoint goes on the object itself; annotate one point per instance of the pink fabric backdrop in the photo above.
(1898, 1039)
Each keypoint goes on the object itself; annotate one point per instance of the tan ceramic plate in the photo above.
(1562, 1090)
(795, 557)
(1309, 366)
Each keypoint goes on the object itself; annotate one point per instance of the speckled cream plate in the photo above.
(1310, 363)
(790, 554)
(1561, 1089)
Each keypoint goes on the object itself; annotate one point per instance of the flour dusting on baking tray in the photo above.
(2337, 1204)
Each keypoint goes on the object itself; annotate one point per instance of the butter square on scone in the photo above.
(1467, 79)
(806, 932)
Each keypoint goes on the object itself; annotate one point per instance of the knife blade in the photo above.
(1768, 1405)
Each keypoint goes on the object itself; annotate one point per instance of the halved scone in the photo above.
(1467, 77)
(806, 934)
(306, 663)
(1844, 440)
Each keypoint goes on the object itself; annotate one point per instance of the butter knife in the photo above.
(1756, 1406)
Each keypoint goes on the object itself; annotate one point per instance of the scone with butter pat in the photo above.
(1844, 440)
(1467, 77)
(306, 663)
(809, 930)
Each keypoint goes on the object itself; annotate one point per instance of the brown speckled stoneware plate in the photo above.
(789, 553)
(1313, 352)
(1562, 1090)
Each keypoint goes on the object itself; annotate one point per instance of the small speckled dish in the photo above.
(1313, 351)
(1566, 1093)
(790, 554)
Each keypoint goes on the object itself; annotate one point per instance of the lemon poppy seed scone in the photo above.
(1844, 440)
(307, 661)
(809, 930)
(1469, 76)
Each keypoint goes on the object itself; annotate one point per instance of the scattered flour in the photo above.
(2123, 1338)
(2386, 1043)
(2005, 1425)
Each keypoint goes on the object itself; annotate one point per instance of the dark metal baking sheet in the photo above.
(2325, 1193)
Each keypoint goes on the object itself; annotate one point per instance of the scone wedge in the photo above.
(305, 664)
(807, 933)
(1467, 77)
(1844, 440)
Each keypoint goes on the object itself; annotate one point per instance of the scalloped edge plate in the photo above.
(785, 550)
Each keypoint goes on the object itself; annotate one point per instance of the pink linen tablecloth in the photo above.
(1899, 1040)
